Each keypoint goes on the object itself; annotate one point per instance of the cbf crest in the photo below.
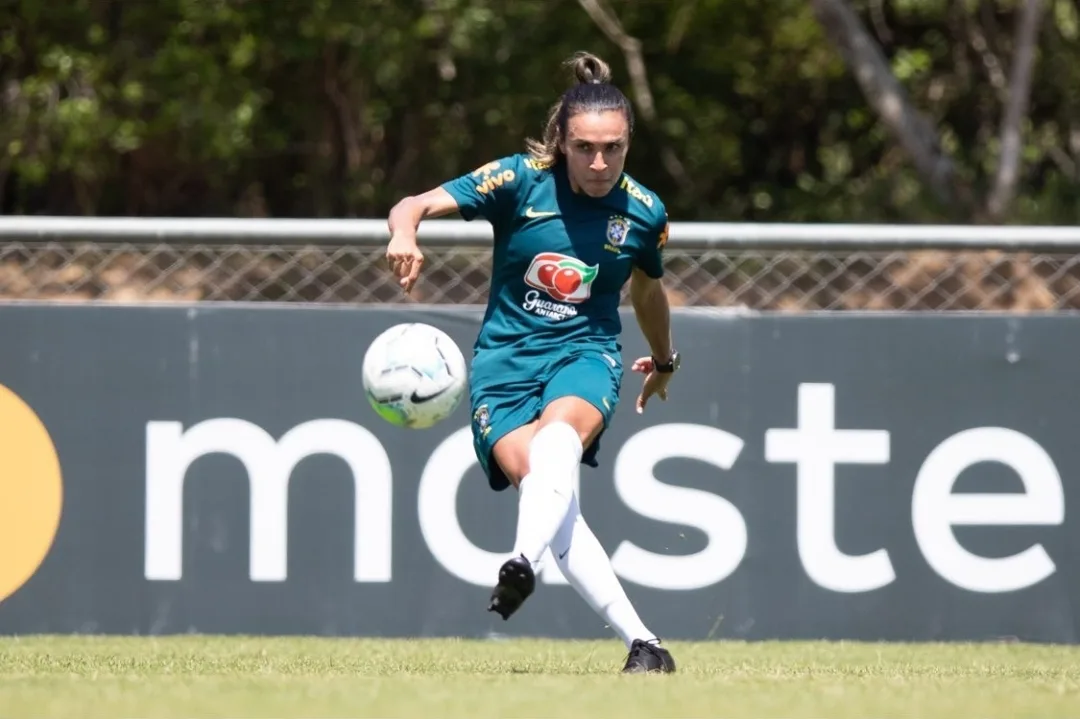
(618, 228)
(482, 418)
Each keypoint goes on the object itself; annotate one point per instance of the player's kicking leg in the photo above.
(554, 457)
(542, 459)
(517, 581)
(587, 567)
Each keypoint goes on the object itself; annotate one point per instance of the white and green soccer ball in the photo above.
(414, 375)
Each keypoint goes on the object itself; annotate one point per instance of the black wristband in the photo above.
(667, 367)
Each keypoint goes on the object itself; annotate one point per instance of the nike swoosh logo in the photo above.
(417, 398)
(564, 553)
(537, 213)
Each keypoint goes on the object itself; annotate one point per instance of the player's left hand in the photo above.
(655, 382)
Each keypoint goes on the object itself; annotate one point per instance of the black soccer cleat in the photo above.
(516, 582)
(647, 658)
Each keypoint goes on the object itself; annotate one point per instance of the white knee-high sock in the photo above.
(545, 492)
(587, 567)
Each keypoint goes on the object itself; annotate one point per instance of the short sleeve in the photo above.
(650, 258)
(488, 191)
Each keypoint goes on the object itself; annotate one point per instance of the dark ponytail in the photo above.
(592, 92)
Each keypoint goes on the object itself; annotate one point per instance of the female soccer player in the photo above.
(570, 229)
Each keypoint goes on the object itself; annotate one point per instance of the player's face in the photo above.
(595, 148)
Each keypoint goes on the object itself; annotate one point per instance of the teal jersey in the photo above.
(560, 259)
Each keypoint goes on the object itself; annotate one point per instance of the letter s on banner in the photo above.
(721, 522)
(935, 509)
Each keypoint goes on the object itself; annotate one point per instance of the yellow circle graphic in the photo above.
(31, 492)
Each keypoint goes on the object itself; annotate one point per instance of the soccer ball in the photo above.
(414, 375)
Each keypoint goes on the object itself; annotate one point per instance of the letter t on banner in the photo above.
(815, 448)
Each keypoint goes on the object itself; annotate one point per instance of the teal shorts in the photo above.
(505, 396)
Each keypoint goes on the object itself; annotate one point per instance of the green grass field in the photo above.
(194, 676)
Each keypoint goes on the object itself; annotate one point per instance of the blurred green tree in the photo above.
(751, 110)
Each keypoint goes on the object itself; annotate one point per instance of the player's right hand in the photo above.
(405, 259)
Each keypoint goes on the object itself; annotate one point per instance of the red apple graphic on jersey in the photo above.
(564, 278)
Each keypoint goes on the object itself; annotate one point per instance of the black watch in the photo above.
(670, 366)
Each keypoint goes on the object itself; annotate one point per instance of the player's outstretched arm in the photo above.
(403, 253)
(654, 317)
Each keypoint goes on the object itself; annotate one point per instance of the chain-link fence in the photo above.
(351, 272)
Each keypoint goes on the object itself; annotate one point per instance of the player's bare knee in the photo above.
(512, 454)
(515, 468)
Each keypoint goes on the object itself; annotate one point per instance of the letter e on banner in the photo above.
(935, 509)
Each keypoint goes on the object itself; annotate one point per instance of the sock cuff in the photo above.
(554, 455)
(556, 437)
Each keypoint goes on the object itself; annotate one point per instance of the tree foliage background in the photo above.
(749, 110)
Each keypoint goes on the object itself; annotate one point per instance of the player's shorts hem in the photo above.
(604, 413)
(499, 417)
(497, 479)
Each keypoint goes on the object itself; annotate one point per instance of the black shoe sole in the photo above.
(639, 669)
(516, 582)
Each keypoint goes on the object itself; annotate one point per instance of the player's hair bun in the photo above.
(593, 91)
(589, 69)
